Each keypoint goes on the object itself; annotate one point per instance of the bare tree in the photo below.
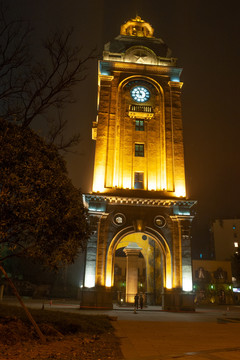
(14, 61)
(57, 137)
(31, 90)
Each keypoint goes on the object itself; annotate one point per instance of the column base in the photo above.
(98, 297)
(176, 300)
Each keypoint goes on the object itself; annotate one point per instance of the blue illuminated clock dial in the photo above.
(140, 94)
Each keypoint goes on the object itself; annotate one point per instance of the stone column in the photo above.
(186, 253)
(176, 253)
(101, 250)
(90, 266)
(132, 252)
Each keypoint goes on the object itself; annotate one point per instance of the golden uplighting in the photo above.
(169, 282)
(137, 27)
(108, 280)
(180, 191)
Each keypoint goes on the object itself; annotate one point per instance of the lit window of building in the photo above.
(138, 180)
(236, 244)
(139, 150)
(139, 125)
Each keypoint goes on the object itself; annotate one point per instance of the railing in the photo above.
(141, 108)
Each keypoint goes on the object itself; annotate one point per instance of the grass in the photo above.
(66, 323)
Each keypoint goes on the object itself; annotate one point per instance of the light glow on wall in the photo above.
(126, 183)
(180, 191)
(98, 184)
(151, 185)
(90, 280)
(168, 282)
(108, 280)
(181, 211)
(115, 184)
(175, 79)
(184, 213)
(187, 282)
(105, 73)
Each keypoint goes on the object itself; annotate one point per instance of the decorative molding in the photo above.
(182, 217)
(120, 200)
(106, 77)
(175, 84)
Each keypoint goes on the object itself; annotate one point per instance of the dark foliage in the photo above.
(41, 213)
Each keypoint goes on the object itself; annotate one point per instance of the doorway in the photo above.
(138, 268)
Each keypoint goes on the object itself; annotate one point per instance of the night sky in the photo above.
(204, 36)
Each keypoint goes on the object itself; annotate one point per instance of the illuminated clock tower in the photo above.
(138, 205)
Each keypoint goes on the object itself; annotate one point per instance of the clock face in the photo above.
(140, 94)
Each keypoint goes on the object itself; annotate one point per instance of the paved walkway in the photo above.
(207, 334)
(151, 334)
(178, 340)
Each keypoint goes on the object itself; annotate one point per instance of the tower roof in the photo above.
(137, 27)
(136, 34)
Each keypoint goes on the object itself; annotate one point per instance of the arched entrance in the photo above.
(139, 262)
(159, 230)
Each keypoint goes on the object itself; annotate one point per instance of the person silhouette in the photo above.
(136, 301)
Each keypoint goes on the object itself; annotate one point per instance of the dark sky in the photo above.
(204, 36)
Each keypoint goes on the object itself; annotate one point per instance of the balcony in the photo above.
(141, 111)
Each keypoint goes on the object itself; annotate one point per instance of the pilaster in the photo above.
(176, 252)
(102, 248)
(177, 138)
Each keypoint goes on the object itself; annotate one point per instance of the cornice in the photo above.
(181, 217)
(115, 66)
(120, 200)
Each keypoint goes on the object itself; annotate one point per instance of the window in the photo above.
(139, 150)
(139, 125)
(138, 180)
(236, 244)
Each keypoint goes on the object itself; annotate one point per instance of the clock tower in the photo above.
(138, 209)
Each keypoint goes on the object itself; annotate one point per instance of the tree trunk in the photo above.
(36, 327)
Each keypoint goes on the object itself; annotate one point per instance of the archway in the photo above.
(148, 272)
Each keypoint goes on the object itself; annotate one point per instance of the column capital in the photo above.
(177, 85)
(182, 217)
(132, 249)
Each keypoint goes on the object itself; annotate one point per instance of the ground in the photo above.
(18, 341)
